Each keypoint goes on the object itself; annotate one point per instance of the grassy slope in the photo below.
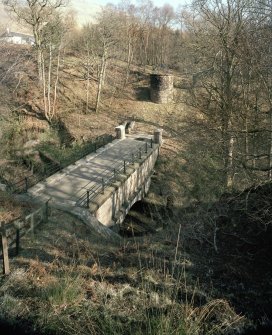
(67, 280)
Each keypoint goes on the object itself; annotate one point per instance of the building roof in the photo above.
(15, 34)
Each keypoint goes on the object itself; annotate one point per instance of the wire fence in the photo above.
(11, 232)
(50, 168)
(112, 175)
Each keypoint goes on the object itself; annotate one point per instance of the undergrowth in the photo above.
(125, 291)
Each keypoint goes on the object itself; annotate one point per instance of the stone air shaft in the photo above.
(161, 88)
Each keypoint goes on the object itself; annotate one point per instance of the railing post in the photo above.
(140, 153)
(146, 147)
(151, 143)
(46, 211)
(103, 186)
(125, 167)
(32, 223)
(26, 184)
(17, 241)
(4, 241)
(95, 147)
(88, 199)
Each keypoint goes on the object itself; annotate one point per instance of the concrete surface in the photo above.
(72, 182)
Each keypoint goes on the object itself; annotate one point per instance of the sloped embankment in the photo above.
(232, 246)
(70, 280)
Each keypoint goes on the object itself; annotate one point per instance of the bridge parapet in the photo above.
(107, 182)
(122, 168)
(131, 188)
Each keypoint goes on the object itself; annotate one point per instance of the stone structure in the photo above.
(158, 136)
(120, 132)
(113, 206)
(161, 88)
(109, 205)
(130, 126)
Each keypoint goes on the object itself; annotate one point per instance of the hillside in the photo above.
(198, 265)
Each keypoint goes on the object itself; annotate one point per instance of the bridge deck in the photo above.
(70, 184)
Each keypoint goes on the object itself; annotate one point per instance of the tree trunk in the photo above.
(38, 46)
(129, 60)
(230, 171)
(100, 81)
(49, 84)
(56, 85)
(270, 146)
(39, 61)
(88, 81)
(44, 89)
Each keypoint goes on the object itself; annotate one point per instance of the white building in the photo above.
(17, 38)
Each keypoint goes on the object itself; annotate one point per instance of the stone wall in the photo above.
(161, 88)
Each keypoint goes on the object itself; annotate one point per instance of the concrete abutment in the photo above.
(112, 207)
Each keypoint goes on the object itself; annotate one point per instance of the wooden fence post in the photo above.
(4, 241)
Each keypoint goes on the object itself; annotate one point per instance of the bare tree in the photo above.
(165, 16)
(85, 50)
(53, 48)
(230, 51)
(104, 39)
(216, 40)
(35, 14)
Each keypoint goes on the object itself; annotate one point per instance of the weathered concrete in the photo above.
(120, 132)
(158, 136)
(66, 187)
(112, 207)
(70, 183)
(80, 213)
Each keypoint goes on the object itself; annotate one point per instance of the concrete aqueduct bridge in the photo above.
(101, 187)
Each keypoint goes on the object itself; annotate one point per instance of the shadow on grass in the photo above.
(18, 327)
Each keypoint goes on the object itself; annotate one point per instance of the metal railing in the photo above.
(22, 185)
(112, 175)
(11, 232)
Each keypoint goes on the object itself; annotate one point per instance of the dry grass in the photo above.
(9, 208)
(68, 281)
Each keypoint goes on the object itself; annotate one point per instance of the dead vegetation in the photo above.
(192, 269)
(10, 209)
(67, 281)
